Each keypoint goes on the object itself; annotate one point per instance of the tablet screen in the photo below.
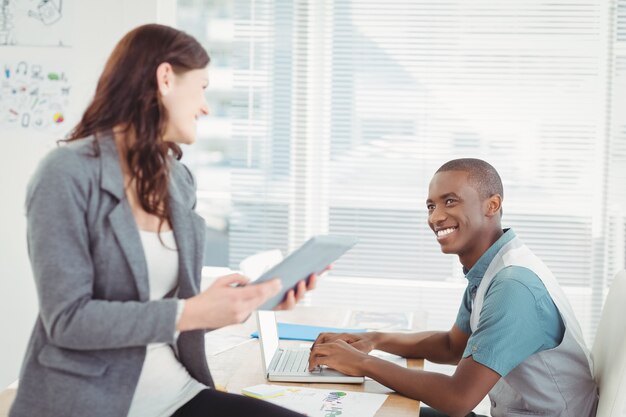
(312, 257)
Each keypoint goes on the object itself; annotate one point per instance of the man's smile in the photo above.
(444, 232)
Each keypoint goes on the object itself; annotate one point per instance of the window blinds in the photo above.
(332, 116)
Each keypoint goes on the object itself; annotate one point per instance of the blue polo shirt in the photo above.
(518, 317)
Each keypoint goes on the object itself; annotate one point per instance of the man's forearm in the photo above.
(436, 390)
(432, 345)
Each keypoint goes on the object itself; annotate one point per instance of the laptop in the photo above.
(291, 365)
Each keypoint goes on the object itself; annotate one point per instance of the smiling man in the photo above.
(515, 338)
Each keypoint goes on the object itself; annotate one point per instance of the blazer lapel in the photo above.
(121, 217)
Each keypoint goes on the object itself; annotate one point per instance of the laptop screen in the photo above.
(268, 336)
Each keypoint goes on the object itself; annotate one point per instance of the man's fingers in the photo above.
(333, 337)
(314, 362)
(315, 359)
(322, 354)
(361, 345)
(323, 338)
(324, 349)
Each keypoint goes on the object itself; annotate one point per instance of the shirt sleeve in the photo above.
(511, 327)
(463, 316)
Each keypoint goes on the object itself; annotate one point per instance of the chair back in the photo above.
(609, 351)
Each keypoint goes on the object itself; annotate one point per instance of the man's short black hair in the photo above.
(481, 175)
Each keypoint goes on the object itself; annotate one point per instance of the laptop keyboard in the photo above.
(293, 361)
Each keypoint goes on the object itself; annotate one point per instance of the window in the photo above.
(332, 116)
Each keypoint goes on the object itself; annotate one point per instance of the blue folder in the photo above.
(287, 331)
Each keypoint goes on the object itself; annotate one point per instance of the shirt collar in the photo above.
(476, 273)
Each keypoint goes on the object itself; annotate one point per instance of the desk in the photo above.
(241, 366)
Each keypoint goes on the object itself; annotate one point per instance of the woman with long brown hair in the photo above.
(116, 251)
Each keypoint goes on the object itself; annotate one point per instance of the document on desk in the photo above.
(221, 340)
(314, 402)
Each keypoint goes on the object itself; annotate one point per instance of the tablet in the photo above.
(312, 257)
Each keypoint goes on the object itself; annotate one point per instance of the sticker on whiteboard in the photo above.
(33, 96)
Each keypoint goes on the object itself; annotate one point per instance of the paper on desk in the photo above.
(218, 341)
(314, 402)
(288, 331)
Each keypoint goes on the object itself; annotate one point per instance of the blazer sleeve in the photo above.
(59, 249)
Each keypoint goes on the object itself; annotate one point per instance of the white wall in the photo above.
(97, 26)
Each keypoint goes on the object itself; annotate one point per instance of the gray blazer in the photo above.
(89, 342)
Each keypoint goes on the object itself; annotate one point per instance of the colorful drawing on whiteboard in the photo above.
(33, 96)
(34, 23)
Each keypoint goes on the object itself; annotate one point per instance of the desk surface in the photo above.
(241, 366)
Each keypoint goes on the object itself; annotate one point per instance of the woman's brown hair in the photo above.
(127, 96)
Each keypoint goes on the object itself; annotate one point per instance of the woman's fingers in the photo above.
(231, 279)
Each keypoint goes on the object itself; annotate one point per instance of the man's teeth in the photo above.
(444, 232)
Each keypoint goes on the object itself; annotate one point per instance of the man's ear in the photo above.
(494, 204)
(164, 78)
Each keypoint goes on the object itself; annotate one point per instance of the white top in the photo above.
(164, 384)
